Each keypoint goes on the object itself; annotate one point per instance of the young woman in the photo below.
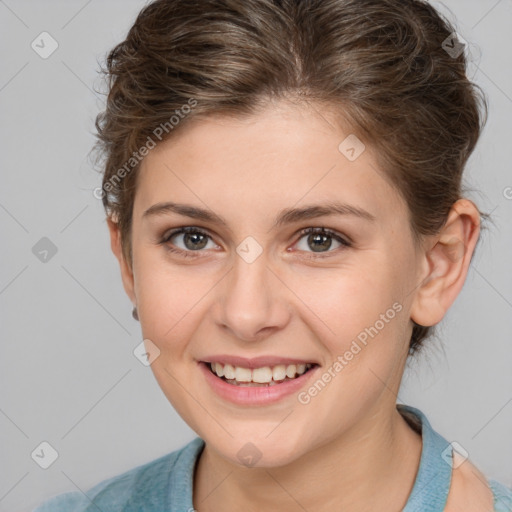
(283, 192)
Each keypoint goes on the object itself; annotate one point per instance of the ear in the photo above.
(126, 270)
(445, 263)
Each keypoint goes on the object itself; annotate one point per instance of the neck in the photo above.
(371, 467)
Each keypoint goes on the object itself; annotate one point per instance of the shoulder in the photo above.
(470, 491)
(145, 484)
(502, 496)
(462, 487)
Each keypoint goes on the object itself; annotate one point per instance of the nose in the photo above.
(252, 302)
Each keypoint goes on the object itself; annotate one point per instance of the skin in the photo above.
(348, 448)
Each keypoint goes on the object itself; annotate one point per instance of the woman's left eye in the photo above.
(194, 239)
(321, 240)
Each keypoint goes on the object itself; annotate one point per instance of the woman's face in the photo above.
(254, 286)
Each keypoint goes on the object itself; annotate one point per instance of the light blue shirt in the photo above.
(165, 484)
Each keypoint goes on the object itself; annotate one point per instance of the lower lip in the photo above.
(254, 395)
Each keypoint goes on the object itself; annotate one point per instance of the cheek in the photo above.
(172, 300)
(169, 299)
(362, 328)
(347, 302)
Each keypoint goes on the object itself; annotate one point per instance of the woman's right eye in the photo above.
(192, 240)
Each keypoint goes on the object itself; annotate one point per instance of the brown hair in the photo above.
(384, 65)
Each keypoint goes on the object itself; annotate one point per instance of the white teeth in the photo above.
(229, 371)
(219, 369)
(279, 372)
(264, 375)
(291, 370)
(243, 374)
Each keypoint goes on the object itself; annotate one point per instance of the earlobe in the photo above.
(126, 270)
(446, 261)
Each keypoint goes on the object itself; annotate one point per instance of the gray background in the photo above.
(68, 375)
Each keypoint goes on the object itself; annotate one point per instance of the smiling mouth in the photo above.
(259, 377)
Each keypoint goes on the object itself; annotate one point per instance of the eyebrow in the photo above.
(286, 216)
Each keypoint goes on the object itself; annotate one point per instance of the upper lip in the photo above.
(256, 362)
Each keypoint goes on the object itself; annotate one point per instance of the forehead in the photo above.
(281, 157)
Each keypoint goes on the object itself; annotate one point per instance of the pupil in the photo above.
(325, 241)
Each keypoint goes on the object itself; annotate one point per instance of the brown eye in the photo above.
(320, 240)
(193, 240)
(186, 240)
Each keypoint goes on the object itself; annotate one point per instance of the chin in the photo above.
(258, 452)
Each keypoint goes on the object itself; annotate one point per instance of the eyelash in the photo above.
(190, 229)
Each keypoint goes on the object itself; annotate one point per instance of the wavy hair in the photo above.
(384, 65)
